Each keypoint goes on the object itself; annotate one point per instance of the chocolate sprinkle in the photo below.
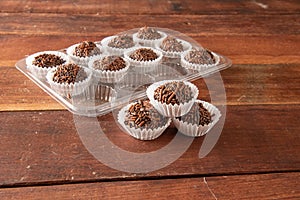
(86, 48)
(47, 60)
(143, 115)
(110, 63)
(148, 33)
(201, 56)
(171, 44)
(143, 54)
(69, 73)
(197, 115)
(122, 42)
(175, 92)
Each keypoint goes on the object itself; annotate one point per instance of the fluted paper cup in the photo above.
(198, 67)
(170, 110)
(195, 130)
(72, 89)
(41, 72)
(82, 60)
(141, 133)
(144, 66)
(175, 54)
(107, 76)
(114, 50)
(149, 43)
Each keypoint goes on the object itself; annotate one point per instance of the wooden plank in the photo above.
(269, 49)
(265, 186)
(253, 39)
(44, 147)
(152, 7)
(18, 93)
(91, 25)
(259, 84)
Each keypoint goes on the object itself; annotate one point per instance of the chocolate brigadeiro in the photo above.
(143, 115)
(148, 33)
(69, 73)
(173, 93)
(122, 42)
(111, 63)
(86, 49)
(171, 44)
(197, 115)
(200, 56)
(47, 60)
(143, 54)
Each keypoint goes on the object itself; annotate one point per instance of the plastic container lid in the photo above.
(101, 97)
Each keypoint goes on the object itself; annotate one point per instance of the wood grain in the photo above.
(152, 7)
(265, 186)
(258, 84)
(269, 49)
(256, 157)
(249, 39)
(91, 25)
(44, 147)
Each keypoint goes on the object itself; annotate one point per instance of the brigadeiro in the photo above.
(109, 69)
(199, 59)
(81, 53)
(69, 79)
(144, 59)
(148, 36)
(199, 120)
(173, 47)
(142, 121)
(118, 44)
(40, 63)
(172, 98)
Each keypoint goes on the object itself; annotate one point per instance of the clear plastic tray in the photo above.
(100, 98)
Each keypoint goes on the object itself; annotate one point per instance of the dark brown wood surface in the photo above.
(281, 186)
(45, 144)
(261, 85)
(258, 153)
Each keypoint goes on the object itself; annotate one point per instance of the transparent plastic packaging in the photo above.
(100, 97)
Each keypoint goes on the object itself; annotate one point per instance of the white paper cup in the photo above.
(107, 76)
(198, 67)
(141, 133)
(144, 66)
(72, 89)
(170, 110)
(175, 54)
(195, 130)
(149, 43)
(83, 61)
(114, 50)
(41, 72)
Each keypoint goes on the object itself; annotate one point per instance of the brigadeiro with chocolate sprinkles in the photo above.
(143, 54)
(173, 47)
(142, 121)
(148, 36)
(199, 120)
(69, 79)
(118, 44)
(40, 63)
(173, 93)
(144, 59)
(109, 69)
(82, 52)
(199, 59)
(172, 98)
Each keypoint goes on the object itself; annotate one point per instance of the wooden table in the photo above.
(257, 155)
